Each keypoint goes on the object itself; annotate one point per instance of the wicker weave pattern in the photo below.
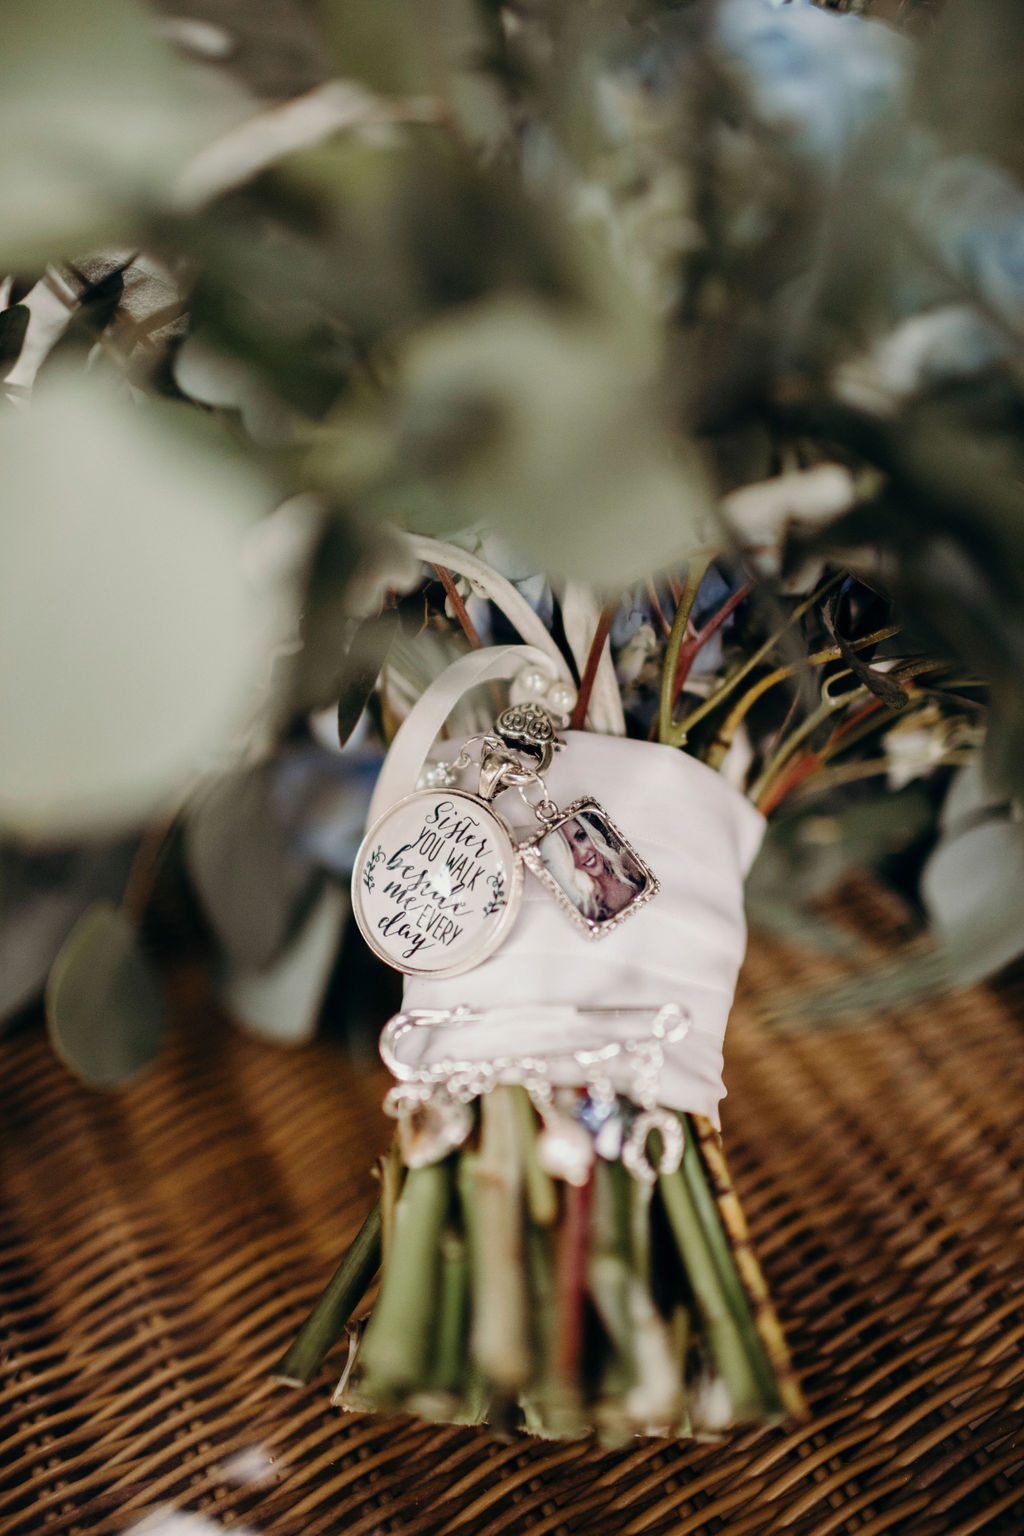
(160, 1248)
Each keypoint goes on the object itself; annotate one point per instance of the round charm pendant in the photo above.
(437, 883)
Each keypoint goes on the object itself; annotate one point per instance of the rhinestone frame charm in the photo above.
(532, 853)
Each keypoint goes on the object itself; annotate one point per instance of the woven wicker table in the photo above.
(160, 1247)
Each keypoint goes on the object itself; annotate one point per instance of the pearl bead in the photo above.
(561, 697)
(533, 682)
(608, 1141)
(565, 1150)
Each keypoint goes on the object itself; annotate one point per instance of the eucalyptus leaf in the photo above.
(135, 640)
(972, 887)
(42, 895)
(95, 113)
(544, 427)
(970, 799)
(213, 379)
(283, 1001)
(366, 656)
(804, 856)
(254, 888)
(104, 1007)
(879, 985)
(321, 667)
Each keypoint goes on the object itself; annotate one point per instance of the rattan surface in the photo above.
(159, 1249)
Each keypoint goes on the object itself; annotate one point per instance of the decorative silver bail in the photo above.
(527, 729)
(494, 771)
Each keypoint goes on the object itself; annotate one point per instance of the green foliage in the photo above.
(567, 275)
(541, 424)
(253, 886)
(96, 119)
(103, 1003)
(972, 881)
(282, 1001)
(133, 639)
(42, 895)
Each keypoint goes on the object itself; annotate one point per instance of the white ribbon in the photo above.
(422, 726)
(697, 833)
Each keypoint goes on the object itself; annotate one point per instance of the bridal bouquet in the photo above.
(462, 514)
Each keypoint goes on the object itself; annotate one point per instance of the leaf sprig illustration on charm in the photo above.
(499, 898)
(376, 857)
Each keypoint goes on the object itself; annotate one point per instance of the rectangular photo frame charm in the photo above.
(589, 867)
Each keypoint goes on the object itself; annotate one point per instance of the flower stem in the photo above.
(694, 644)
(695, 574)
(678, 732)
(570, 1282)
(541, 1195)
(394, 1350)
(783, 754)
(455, 598)
(325, 1324)
(597, 645)
(392, 1174)
(448, 1366)
(738, 1354)
(749, 1270)
(723, 738)
(500, 1334)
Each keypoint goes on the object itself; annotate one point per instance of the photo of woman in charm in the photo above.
(592, 867)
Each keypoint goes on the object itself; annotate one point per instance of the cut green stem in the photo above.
(541, 1195)
(326, 1323)
(395, 1347)
(500, 1333)
(725, 1263)
(448, 1368)
(570, 1282)
(729, 1327)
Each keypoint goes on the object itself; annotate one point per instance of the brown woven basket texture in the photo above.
(161, 1246)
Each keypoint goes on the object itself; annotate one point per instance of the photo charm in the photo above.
(438, 878)
(437, 883)
(582, 858)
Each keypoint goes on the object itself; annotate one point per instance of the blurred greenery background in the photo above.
(717, 304)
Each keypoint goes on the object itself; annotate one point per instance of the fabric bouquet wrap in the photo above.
(560, 1247)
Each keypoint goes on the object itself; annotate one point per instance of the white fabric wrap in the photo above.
(699, 836)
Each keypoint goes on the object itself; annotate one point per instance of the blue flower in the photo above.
(321, 799)
(972, 215)
(822, 78)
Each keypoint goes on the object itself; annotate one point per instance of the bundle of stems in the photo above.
(611, 1307)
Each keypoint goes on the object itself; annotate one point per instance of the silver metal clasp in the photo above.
(528, 730)
(497, 771)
